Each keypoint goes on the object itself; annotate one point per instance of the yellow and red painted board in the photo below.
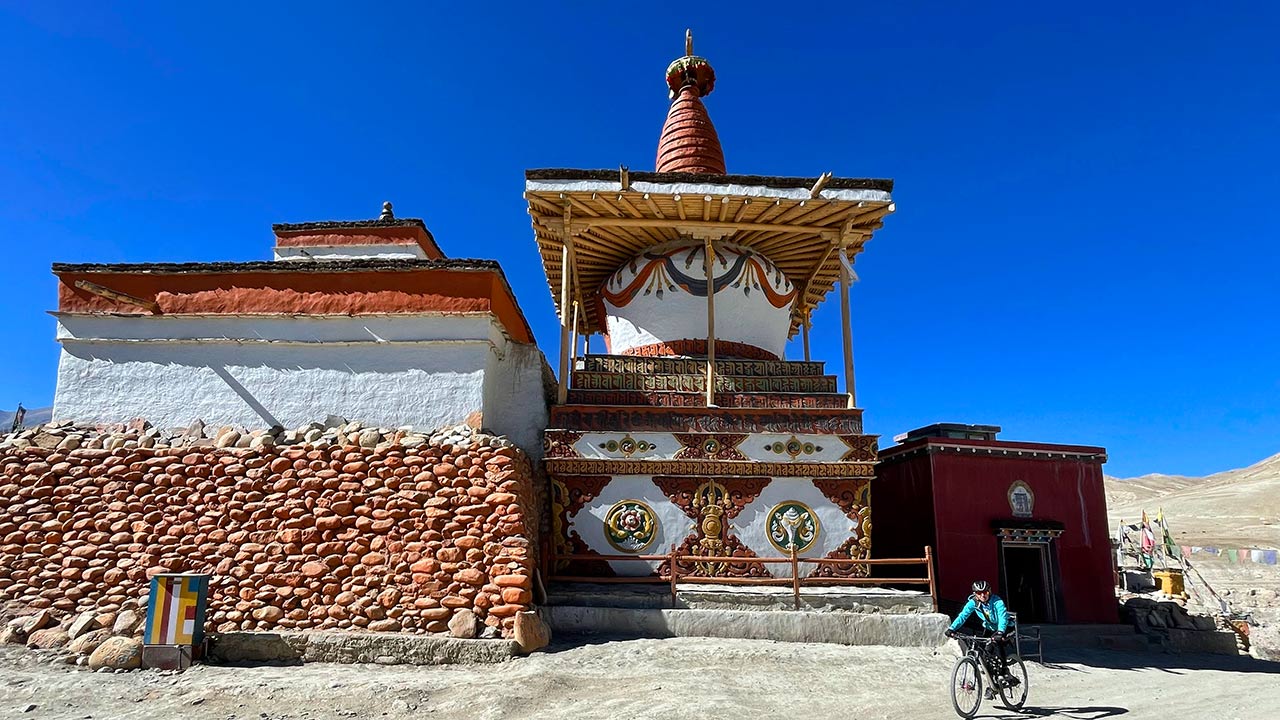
(175, 615)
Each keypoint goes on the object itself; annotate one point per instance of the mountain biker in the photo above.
(991, 610)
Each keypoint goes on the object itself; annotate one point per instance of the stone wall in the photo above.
(383, 537)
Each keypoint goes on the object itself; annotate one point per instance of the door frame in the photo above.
(1045, 540)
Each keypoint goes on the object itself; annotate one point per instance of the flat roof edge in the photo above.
(883, 184)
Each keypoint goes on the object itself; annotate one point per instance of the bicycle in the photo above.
(978, 661)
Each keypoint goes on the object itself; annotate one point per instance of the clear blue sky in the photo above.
(1085, 249)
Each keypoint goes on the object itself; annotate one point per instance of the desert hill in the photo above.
(1236, 508)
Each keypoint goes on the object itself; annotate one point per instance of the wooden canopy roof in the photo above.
(800, 224)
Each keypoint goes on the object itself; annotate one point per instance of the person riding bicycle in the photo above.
(991, 610)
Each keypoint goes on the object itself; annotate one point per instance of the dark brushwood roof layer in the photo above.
(279, 266)
(680, 177)
(351, 224)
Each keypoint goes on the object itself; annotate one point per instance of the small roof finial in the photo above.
(386, 212)
(689, 69)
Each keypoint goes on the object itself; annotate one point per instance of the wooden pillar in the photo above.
(849, 386)
(709, 252)
(804, 332)
(573, 354)
(562, 393)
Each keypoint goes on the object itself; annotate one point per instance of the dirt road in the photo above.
(681, 678)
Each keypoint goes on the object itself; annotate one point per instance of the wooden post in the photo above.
(672, 564)
(848, 330)
(804, 332)
(562, 394)
(709, 252)
(795, 576)
(928, 563)
(573, 354)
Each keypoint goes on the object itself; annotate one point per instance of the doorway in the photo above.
(1029, 580)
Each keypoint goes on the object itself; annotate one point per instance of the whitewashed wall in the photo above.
(515, 401)
(742, 316)
(350, 252)
(426, 371)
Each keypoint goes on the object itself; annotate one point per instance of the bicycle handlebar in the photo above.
(977, 638)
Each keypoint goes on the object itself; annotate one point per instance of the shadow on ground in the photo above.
(1096, 712)
(1166, 662)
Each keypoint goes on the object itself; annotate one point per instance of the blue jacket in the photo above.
(993, 614)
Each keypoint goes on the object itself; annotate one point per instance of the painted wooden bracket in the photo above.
(113, 295)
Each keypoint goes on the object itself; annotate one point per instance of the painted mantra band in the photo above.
(710, 468)
(695, 366)
(698, 383)
(633, 419)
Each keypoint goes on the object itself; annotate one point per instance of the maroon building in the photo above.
(1029, 517)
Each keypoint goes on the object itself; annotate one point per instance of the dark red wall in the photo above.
(902, 515)
(969, 491)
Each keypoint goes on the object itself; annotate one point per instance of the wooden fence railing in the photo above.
(674, 558)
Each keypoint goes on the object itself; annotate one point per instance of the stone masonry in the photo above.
(377, 531)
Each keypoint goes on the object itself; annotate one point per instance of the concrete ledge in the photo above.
(287, 648)
(736, 597)
(903, 630)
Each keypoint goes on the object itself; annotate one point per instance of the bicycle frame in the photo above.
(983, 650)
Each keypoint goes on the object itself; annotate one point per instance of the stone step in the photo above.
(603, 418)
(589, 380)
(1130, 643)
(817, 401)
(694, 366)
(1085, 633)
(708, 596)
(843, 628)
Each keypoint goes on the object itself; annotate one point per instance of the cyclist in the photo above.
(991, 610)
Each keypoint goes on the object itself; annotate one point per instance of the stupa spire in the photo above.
(689, 142)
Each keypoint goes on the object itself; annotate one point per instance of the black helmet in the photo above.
(981, 586)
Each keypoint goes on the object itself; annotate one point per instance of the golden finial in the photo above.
(386, 212)
(688, 42)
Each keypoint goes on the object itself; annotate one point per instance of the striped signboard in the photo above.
(175, 615)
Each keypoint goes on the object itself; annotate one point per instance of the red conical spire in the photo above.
(689, 142)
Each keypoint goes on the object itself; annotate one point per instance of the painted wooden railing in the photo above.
(674, 574)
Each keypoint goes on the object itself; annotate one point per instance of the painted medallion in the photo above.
(793, 524)
(630, 526)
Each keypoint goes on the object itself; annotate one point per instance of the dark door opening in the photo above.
(1028, 583)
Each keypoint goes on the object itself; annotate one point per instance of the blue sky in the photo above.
(1085, 247)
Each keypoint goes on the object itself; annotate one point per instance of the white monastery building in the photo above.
(366, 320)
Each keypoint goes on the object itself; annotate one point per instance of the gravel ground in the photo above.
(678, 678)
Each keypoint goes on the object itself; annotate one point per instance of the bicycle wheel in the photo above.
(1013, 696)
(966, 687)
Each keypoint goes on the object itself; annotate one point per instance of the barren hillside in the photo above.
(1236, 508)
